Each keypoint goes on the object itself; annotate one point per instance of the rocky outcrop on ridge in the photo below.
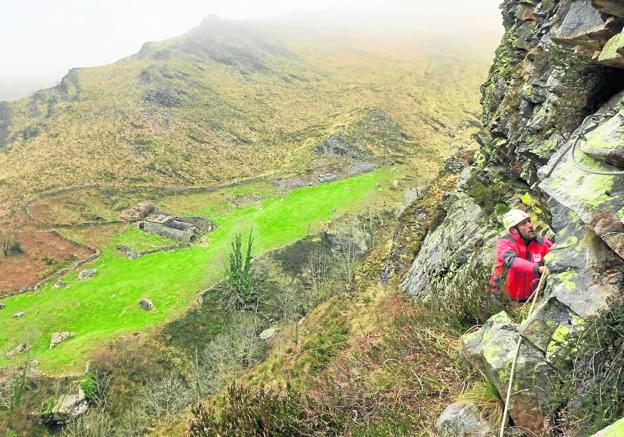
(551, 141)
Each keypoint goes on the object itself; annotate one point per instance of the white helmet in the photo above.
(514, 217)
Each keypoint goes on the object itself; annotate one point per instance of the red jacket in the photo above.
(520, 263)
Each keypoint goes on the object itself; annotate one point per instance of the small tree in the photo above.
(242, 283)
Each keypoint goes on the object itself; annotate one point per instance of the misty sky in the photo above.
(41, 39)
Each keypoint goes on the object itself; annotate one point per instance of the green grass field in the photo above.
(106, 306)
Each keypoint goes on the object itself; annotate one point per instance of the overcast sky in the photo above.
(41, 39)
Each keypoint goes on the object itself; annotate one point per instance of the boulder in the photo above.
(462, 419)
(59, 337)
(268, 333)
(1, 306)
(87, 274)
(19, 349)
(493, 347)
(146, 304)
(59, 284)
(413, 193)
(67, 407)
(19, 314)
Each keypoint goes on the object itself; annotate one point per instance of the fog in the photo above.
(40, 39)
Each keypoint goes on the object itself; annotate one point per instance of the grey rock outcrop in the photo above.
(59, 337)
(459, 244)
(146, 304)
(87, 274)
(66, 408)
(462, 419)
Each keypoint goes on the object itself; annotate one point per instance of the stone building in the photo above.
(187, 229)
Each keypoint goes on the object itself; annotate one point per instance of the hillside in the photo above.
(227, 101)
(223, 102)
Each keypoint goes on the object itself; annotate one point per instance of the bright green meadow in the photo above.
(106, 306)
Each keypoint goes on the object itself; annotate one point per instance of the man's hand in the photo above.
(544, 270)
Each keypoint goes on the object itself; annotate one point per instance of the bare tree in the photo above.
(349, 247)
(318, 270)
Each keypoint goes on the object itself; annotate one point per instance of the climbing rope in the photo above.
(515, 360)
(595, 119)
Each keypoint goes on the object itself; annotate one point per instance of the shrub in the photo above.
(249, 411)
(243, 283)
(464, 302)
(95, 387)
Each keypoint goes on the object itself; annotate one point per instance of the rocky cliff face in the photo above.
(551, 143)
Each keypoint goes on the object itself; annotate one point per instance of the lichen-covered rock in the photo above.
(612, 53)
(606, 142)
(87, 274)
(598, 199)
(462, 419)
(59, 337)
(493, 347)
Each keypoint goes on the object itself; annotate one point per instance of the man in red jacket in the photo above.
(519, 257)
